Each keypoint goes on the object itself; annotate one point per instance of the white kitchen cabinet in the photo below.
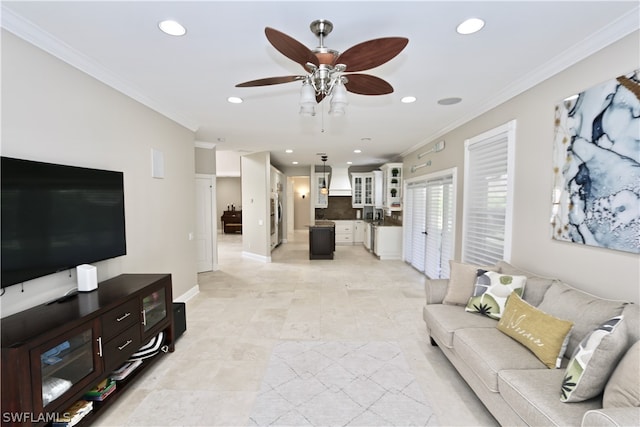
(388, 242)
(377, 189)
(344, 232)
(367, 235)
(358, 231)
(357, 190)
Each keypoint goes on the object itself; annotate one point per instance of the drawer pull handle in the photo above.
(121, 347)
(120, 319)
(99, 339)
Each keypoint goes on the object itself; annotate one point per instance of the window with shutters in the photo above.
(488, 196)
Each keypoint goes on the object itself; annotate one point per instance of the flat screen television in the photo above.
(56, 217)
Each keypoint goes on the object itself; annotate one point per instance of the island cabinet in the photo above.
(52, 354)
(322, 240)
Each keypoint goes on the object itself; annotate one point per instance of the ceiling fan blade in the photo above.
(290, 47)
(365, 84)
(319, 97)
(271, 81)
(372, 53)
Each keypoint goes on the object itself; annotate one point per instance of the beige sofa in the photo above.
(514, 385)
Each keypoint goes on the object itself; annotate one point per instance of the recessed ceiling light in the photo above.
(408, 99)
(349, 163)
(288, 151)
(449, 101)
(172, 28)
(470, 26)
(234, 100)
(294, 163)
(357, 151)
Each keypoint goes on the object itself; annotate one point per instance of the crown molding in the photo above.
(33, 34)
(610, 34)
(205, 144)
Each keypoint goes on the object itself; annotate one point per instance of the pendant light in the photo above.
(324, 189)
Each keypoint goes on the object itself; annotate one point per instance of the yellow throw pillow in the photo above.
(543, 334)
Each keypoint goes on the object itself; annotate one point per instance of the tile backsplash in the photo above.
(339, 207)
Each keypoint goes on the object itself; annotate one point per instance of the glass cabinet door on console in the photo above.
(154, 311)
(65, 365)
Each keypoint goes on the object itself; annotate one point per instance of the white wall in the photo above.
(54, 113)
(227, 163)
(603, 272)
(256, 228)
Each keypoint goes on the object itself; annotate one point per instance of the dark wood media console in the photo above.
(52, 354)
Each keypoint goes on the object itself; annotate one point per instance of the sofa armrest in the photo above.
(612, 417)
(435, 290)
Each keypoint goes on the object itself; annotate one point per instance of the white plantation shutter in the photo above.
(407, 238)
(487, 196)
(439, 226)
(417, 225)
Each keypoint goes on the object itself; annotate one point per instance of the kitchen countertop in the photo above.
(323, 223)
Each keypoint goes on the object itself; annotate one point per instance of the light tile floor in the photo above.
(246, 307)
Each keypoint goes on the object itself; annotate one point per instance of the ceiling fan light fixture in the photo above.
(339, 99)
(172, 28)
(307, 99)
(470, 26)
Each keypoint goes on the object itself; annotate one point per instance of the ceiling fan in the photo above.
(327, 68)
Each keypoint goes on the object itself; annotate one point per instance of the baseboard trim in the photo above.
(256, 257)
(189, 294)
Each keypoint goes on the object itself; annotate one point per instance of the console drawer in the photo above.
(116, 351)
(120, 318)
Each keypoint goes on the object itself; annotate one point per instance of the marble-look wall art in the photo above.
(596, 194)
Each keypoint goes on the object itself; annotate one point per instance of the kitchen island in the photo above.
(322, 240)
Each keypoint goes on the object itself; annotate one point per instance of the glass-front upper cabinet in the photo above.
(66, 364)
(357, 200)
(154, 310)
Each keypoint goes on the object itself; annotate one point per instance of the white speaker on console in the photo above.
(87, 277)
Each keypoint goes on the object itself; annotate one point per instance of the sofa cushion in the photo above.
(536, 285)
(487, 351)
(612, 417)
(586, 311)
(543, 334)
(443, 320)
(594, 361)
(622, 389)
(532, 394)
(491, 292)
(461, 282)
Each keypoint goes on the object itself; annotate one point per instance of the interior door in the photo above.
(206, 228)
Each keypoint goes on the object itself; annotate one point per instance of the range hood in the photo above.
(339, 182)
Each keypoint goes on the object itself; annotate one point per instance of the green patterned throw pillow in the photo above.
(491, 292)
(593, 361)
